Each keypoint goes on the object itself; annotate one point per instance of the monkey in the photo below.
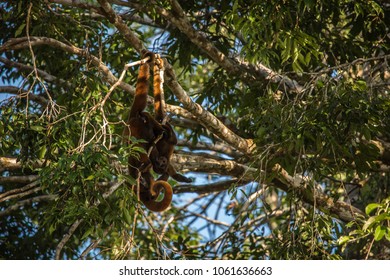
(165, 146)
(141, 125)
(158, 141)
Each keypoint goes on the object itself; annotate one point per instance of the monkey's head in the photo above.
(161, 165)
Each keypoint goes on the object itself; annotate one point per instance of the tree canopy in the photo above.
(281, 109)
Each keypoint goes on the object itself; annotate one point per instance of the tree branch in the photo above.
(205, 118)
(312, 193)
(110, 14)
(248, 73)
(218, 147)
(208, 120)
(21, 93)
(21, 192)
(28, 69)
(10, 164)
(207, 188)
(25, 202)
(22, 179)
(196, 163)
(66, 237)
(22, 43)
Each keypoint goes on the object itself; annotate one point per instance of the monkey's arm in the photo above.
(176, 176)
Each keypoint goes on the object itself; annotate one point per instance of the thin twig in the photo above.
(75, 225)
(94, 244)
(254, 196)
(66, 237)
(369, 248)
(122, 76)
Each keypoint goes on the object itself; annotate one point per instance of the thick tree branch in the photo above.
(22, 192)
(22, 179)
(207, 188)
(25, 202)
(29, 69)
(205, 118)
(312, 193)
(218, 147)
(21, 93)
(129, 35)
(384, 150)
(196, 163)
(10, 164)
(22, 43)
(17, 192)
(66, 238)
(246, 72)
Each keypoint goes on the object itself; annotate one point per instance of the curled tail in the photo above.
(151, 203)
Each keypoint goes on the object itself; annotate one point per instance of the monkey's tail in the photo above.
(159, 206)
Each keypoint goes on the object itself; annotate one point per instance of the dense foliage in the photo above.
(281, 107)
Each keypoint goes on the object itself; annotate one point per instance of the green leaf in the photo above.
(20, 30)
(297, 67)
(372, 206)
(42, 152)
(261, 132)
(360, 85)
(387, 235)
(379, 232)
(90, 177)
(127, 216)
(52, 228)
(308, 58)
(376, 219)
(369, 222)
(37, 128)
(87, 233)
(342, 240)
(366, 133)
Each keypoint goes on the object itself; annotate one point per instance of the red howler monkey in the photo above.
(166, 144)
(142, 125)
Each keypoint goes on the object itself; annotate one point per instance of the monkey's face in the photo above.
(159, 161)
(161, 165)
